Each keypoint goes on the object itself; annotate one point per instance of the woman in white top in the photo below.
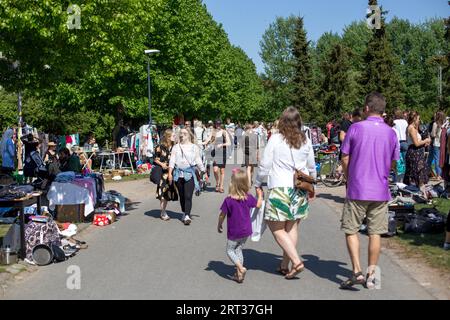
(401, 125)
(435, 149)
(184, 158)
(416, 166)
(286, 151)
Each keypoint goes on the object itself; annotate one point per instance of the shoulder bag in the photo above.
(302, 181)
(156, 173)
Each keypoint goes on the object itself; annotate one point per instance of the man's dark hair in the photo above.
(376, 103)
(357, 113)
(65, 152)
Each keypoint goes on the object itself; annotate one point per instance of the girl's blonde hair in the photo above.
(190, 135)
(239, 186)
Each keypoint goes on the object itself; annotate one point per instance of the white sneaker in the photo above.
(165, 216)
(447, 246)
(187, 220)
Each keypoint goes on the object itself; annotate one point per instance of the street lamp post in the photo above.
(149, 52)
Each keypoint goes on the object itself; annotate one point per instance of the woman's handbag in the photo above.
(303, 181)
(156, 174)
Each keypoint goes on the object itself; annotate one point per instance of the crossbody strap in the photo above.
(184, 156)
(293, 160)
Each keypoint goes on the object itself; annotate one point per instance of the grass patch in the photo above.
(428, 246)
(443, 205)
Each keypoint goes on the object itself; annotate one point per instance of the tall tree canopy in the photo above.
(401, 60)
(85, 79)
(302, 81)
(381, 71)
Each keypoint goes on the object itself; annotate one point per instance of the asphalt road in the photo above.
(143, 257)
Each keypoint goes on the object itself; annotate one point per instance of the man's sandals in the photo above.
(356, 278)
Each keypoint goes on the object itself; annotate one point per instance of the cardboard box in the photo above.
(110, 214)
(70, 213)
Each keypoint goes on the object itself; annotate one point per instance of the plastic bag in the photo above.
(258, 223)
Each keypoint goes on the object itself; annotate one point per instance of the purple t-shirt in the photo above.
(239, 222)
(372, 146)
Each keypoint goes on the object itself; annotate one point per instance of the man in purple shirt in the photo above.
(369, 152)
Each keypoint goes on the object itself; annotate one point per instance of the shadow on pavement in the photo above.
(130, 206)
(224, 270)
(253, 260)
(263, 261)
(327, 269)
(157, 214)
(331, 197)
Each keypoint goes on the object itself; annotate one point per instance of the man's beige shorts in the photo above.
(355, 211)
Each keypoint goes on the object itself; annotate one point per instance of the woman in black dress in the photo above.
(165, 191)
(220, 141)
(416, 164)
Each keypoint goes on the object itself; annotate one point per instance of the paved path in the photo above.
(142, 257)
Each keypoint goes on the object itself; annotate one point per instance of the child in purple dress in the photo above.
(237, 208)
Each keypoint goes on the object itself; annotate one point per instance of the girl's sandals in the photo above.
(217, 188)
(295, 271)
(239, 277)
(357, 278)
(221, 190)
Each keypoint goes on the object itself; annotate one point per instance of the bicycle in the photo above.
(329, 168)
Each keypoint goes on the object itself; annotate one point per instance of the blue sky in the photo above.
(246, 20)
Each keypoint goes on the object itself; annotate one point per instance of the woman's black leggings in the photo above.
(186, 192)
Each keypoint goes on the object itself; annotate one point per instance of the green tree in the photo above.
(380, 73)
(355, 37)
(302, 82)
(277, 55)
(335, 84)
(420, 48)
(98, 74)
(446, 69)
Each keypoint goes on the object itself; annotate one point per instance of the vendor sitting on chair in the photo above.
(91, 144)
(69, 162)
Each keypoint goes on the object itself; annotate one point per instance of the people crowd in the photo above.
(374, 146)
(41, 161)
